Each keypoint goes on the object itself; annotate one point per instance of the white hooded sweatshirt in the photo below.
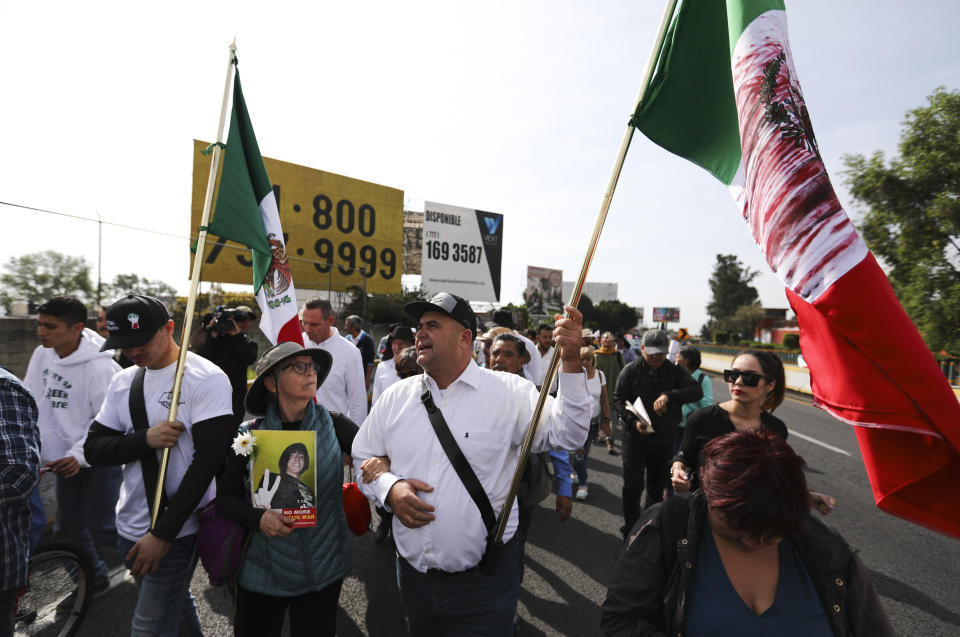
(69, 392)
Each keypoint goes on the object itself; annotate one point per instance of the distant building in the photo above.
(596, 291)
(774, 325)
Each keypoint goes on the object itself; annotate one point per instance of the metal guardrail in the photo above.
(949, 365)
(788, 356)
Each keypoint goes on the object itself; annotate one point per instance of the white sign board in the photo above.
(462, 249)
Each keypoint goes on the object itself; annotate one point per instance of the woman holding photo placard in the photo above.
(300, 569)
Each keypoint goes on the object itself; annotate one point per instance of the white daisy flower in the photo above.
(243, 444)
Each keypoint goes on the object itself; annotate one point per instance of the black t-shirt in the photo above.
(367, 350)
(704, 425)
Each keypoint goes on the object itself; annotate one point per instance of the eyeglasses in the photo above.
(302, 368)
(409, 372)
(750, 379)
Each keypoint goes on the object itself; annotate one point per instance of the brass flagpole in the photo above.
(581, 279)
(194, 283)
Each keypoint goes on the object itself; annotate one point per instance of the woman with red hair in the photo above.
(741, 556)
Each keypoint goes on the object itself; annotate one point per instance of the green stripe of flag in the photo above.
(689, 107)
(243, 185)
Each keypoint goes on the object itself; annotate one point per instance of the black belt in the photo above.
(442, 573)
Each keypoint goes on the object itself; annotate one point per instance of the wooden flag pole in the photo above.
(581, 279)
(194, 284)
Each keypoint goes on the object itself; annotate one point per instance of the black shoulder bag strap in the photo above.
(459, 461)
(149, 465)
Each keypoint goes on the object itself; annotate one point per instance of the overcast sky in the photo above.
(511, 107)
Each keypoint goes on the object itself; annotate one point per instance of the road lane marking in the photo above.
(794, 432)
(799, 402)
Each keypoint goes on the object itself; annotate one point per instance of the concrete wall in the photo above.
(18, 339)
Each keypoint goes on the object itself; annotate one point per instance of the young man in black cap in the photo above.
(662, 387)
(487, 414)
(161, 558)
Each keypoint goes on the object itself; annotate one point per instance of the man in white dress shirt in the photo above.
(438, 529)
(345, 389)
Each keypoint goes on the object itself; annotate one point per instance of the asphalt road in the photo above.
(567, 564)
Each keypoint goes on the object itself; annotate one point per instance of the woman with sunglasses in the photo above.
(300, 570)
(756, 383)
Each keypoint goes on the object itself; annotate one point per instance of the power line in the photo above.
(191, 238)
(109, 223)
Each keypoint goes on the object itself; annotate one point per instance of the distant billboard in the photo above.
(666, 315)
(544, 293)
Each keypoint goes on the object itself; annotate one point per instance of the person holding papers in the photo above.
(654, 386)
(287, 566)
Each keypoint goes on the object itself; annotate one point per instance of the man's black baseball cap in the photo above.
(133, 320)
(452, 305)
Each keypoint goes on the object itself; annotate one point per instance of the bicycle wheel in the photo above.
(59, 588)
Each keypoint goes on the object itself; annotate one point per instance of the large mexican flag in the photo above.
(246, 212)
(725, 95)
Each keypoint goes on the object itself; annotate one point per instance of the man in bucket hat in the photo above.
(161, 558)
(438, 528)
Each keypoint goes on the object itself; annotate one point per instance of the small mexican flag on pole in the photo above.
(246, 212)
(724, 94)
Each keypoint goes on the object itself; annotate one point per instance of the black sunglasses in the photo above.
(750, 379)
(409, 373)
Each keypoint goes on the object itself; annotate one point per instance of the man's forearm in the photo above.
(210, 440)
(106, 447)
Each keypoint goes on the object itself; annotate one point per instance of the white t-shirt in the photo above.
(205, 393)
(385, 376)
(595, 387)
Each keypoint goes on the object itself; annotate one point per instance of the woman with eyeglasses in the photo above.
(300, 570)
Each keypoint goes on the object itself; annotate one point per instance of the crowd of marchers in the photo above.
(718, 534)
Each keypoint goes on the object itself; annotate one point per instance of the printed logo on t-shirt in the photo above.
(58, 398)
(166, 399)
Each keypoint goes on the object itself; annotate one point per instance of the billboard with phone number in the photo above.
(339, 232)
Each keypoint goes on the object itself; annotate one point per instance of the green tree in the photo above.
(37, 276)
(615, 316)
(730, 287)
(743, 321)
(591, 318)
(912, 216)
(124, 284)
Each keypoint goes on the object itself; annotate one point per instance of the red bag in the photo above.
(357, 509)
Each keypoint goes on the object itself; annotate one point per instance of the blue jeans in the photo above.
(38, 518)
(164, 605)
(86, 510)
(468, 604)
(579, 460)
